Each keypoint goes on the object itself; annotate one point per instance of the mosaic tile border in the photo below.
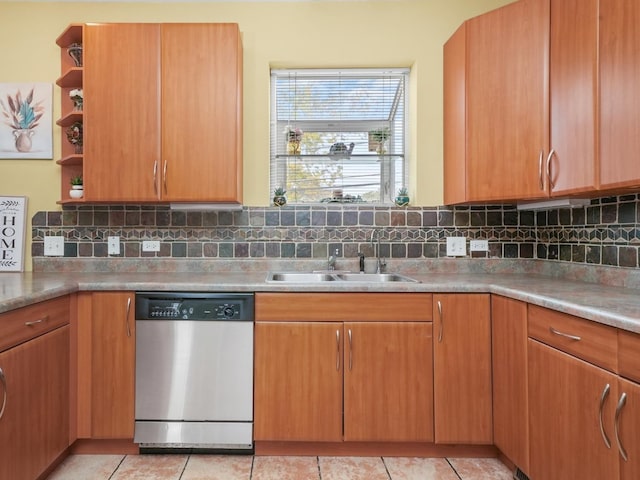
(604, 233)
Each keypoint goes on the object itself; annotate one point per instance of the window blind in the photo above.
(339, 135)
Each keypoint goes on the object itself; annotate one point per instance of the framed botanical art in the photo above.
(13, 221)
(26, 129)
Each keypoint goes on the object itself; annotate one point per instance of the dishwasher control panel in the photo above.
(194, 306)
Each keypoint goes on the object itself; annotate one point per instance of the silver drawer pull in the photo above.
(35, 322)
(4, 392)
(621, 449)
(565, 335)
(603, 398)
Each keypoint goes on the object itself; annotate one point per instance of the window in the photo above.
(339, 135)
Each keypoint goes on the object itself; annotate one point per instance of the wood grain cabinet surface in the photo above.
(510, 388)
(162, 113)
(584, 399)
(462, 369)
(34, 426)
(520, 96)
(106, 365)
(308, 372)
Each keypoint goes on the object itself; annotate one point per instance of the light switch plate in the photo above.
(456, 246)
(150, 246)
(53, 246)
(113, 245)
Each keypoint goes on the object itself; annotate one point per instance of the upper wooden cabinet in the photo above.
(162, 113)
(520, 103)
(619, 93)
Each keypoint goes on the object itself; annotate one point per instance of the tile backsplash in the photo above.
(604, 233)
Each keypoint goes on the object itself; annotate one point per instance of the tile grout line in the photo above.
(319, 471)
(454, 469)
(185, 467)
(253, 460)
(116, 469)
(386, 468)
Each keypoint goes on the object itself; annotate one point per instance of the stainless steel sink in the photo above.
(376, 277)
(306, 277)
(300, 277)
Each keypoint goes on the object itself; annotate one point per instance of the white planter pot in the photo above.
(77, 191)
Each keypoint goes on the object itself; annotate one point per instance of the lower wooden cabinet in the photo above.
(333, 381)
(569, 400)
(510, 397)
(298, 381)
(462, 369)
(388, 381)
(106, 365)
(34, 425)
(306, 370)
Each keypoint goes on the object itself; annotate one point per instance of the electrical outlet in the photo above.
(478, 245)
(53, 246)
(113, 245)
(456, 246)
(150, 246)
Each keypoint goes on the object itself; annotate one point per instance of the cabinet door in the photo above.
(462, 368)
(388, 382)
(112, 365)
(565, 407)
(573, 73)
(509, 360)
(619, 93)
(298, 381)
(201, 112)
(507, 101)
(122, 112)
(629, 433)
(34, 428)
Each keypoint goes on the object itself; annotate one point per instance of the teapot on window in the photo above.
(340, 149)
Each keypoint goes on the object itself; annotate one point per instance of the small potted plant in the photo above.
(278, 197)
(377, 139)
(77, 187)
(402, 199)
(76, 96)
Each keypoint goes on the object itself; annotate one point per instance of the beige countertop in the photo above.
(609, 305)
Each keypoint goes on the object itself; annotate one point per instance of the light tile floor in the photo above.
(247, 467)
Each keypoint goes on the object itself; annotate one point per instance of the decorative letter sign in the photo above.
(12, 229)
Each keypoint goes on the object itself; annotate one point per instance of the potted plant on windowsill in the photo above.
(402, 199)
(77, 187)
(278, 197)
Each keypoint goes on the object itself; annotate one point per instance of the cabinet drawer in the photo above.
(629, 354)
(590, 341)
(20, 325)
(326, 307)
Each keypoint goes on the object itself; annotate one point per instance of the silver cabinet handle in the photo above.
(540, 160)
(127, 316)
(551, 153)
(441, 321)
(4, 392)
(565, 335)
(603, 398)
(337, 350)
(350, 351)
(164, 176)
(621, 404)
(155, 177)
(35, 322)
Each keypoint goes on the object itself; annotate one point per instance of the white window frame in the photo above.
(396, 158)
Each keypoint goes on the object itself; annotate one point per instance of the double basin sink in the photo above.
(321, 277)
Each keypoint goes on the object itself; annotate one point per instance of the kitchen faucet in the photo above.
(380, 263)
(331, 261)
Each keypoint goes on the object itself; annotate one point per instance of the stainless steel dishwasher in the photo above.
(194, 371)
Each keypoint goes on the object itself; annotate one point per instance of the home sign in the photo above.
(13, 212)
